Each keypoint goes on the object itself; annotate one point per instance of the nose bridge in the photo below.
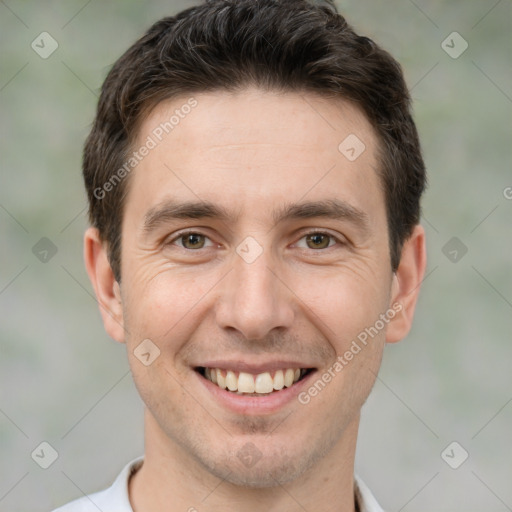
(253, 300)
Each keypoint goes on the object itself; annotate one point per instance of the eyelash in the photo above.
(314, 232)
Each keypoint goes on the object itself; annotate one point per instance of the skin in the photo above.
(295, 300)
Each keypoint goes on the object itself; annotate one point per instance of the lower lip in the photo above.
(255, 405)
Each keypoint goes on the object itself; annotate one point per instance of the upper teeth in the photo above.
(248, 383)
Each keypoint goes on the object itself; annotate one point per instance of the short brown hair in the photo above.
(283, 45)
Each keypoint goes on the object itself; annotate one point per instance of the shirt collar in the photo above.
(364, 497)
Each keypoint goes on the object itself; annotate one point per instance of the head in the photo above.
(282, 142)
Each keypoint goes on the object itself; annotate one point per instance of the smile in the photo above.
(261, 384)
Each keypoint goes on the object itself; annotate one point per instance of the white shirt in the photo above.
(115, 498)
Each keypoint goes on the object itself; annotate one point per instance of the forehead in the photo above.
(255, 148)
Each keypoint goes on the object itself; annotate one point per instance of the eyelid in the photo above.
(181, 234)
(313, 231)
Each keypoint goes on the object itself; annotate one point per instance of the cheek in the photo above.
(162, 301)
(344, 302)
(348, 309)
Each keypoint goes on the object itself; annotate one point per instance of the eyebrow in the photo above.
(335, 209)
(170, 210)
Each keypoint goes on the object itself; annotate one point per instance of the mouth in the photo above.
(258, 385)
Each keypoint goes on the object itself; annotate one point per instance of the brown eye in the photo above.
(192, 241)
(318, 240)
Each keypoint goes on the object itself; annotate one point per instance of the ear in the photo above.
(406, 285)
(108, 293)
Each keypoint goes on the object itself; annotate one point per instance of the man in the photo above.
(254, 178)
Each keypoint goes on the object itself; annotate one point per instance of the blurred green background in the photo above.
(63, 381)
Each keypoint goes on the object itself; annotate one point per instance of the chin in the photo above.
(274, 467)
(263, 475)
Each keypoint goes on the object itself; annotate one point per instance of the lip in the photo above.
(255, 405)
(255, 369)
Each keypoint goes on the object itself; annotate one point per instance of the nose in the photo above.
(254, 298)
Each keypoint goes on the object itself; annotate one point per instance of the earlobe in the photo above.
(406, 284)
(106, 288)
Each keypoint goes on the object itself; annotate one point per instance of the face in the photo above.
(253, 248)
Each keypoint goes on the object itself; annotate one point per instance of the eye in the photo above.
(320, 240)
(190, 240)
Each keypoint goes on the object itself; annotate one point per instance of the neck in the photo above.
(171, 479)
